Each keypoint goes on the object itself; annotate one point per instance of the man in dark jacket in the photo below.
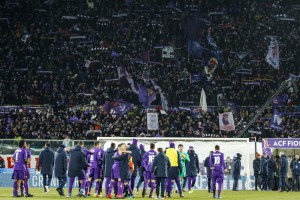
(256, 169)
(46, 164)
(283, 170)
(77, 166)
(192, 169)
(136, 158)
(160, 167)
(271, 171)
(108, 162)
(208, 171)
(295, 166)
(264, 172)
(141, 169)
(236, 171)
(60, 169)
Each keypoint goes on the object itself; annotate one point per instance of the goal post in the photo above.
(202, 146)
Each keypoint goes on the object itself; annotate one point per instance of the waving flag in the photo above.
(273, 54)
(203, 102)
(126, 80)
(277, 120)
(226, 121)
(117, 107)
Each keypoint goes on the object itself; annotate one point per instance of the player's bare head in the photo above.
(123, 147)
(160, 150)
(152, 146)
(217, 147)
(47, 144)
(97, 144)
(22, 143)
(113, 145)
(180, 147)
(80, 143)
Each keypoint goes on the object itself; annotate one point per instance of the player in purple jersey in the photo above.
(24, 185)
(95, 175)
(116, 173)
(87, 154)
(218, 168)
(20, 161)
(149, 178)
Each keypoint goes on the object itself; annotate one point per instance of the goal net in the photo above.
(202, 146)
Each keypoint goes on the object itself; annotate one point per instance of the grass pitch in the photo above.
(6, 194)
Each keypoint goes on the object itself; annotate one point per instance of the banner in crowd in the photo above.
(232, 106)
(203, 102)
(152, 121)
(273, 54)
(195, 78)
(126, 80)
(226, 121)
(269, 144)
(277, 120)
(168, 52)
(117, 107)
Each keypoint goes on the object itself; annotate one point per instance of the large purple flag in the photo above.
(146, 96)
(278, 101)
(277, 120)
(117, 107)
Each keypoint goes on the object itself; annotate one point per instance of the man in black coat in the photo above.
(295, 167)
(208, 171)
(136, 158)
(77, 166)
(264, 172)
(192, 169)
(141, 169)
(271, 171)
(256, 169)
(60, 169)
(108, 162)
(236, 171)
(160, 167)
(45, 165)
(283, 170)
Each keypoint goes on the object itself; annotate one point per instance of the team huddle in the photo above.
(159, 169)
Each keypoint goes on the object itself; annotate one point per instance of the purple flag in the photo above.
(278, 101)
(146, 96)
(117, 107)
(115, 54)
(232, 106)
(277, 120)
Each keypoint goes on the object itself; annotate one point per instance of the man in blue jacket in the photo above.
(108, 162)
(295, 166)
(60, 169)
(264, 172)
(208, 171)
(283, 170)
(236, 171)
(46, 164)
(271, 171)
(77, 166)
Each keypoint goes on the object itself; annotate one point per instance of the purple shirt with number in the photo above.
(148, 159)
(217, 161)
(95, 158)
(19, 157)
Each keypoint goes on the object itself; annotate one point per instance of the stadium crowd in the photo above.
(65, 54)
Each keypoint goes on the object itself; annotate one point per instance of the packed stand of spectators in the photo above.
(60, 53)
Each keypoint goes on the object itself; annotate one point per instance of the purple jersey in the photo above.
(116, 167)
(148, 159)
(28, 153)
(217, 161)
(95, 158)
(20, 157)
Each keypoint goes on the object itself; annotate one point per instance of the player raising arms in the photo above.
(218, 168)
(20, 160)
(147, 161)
